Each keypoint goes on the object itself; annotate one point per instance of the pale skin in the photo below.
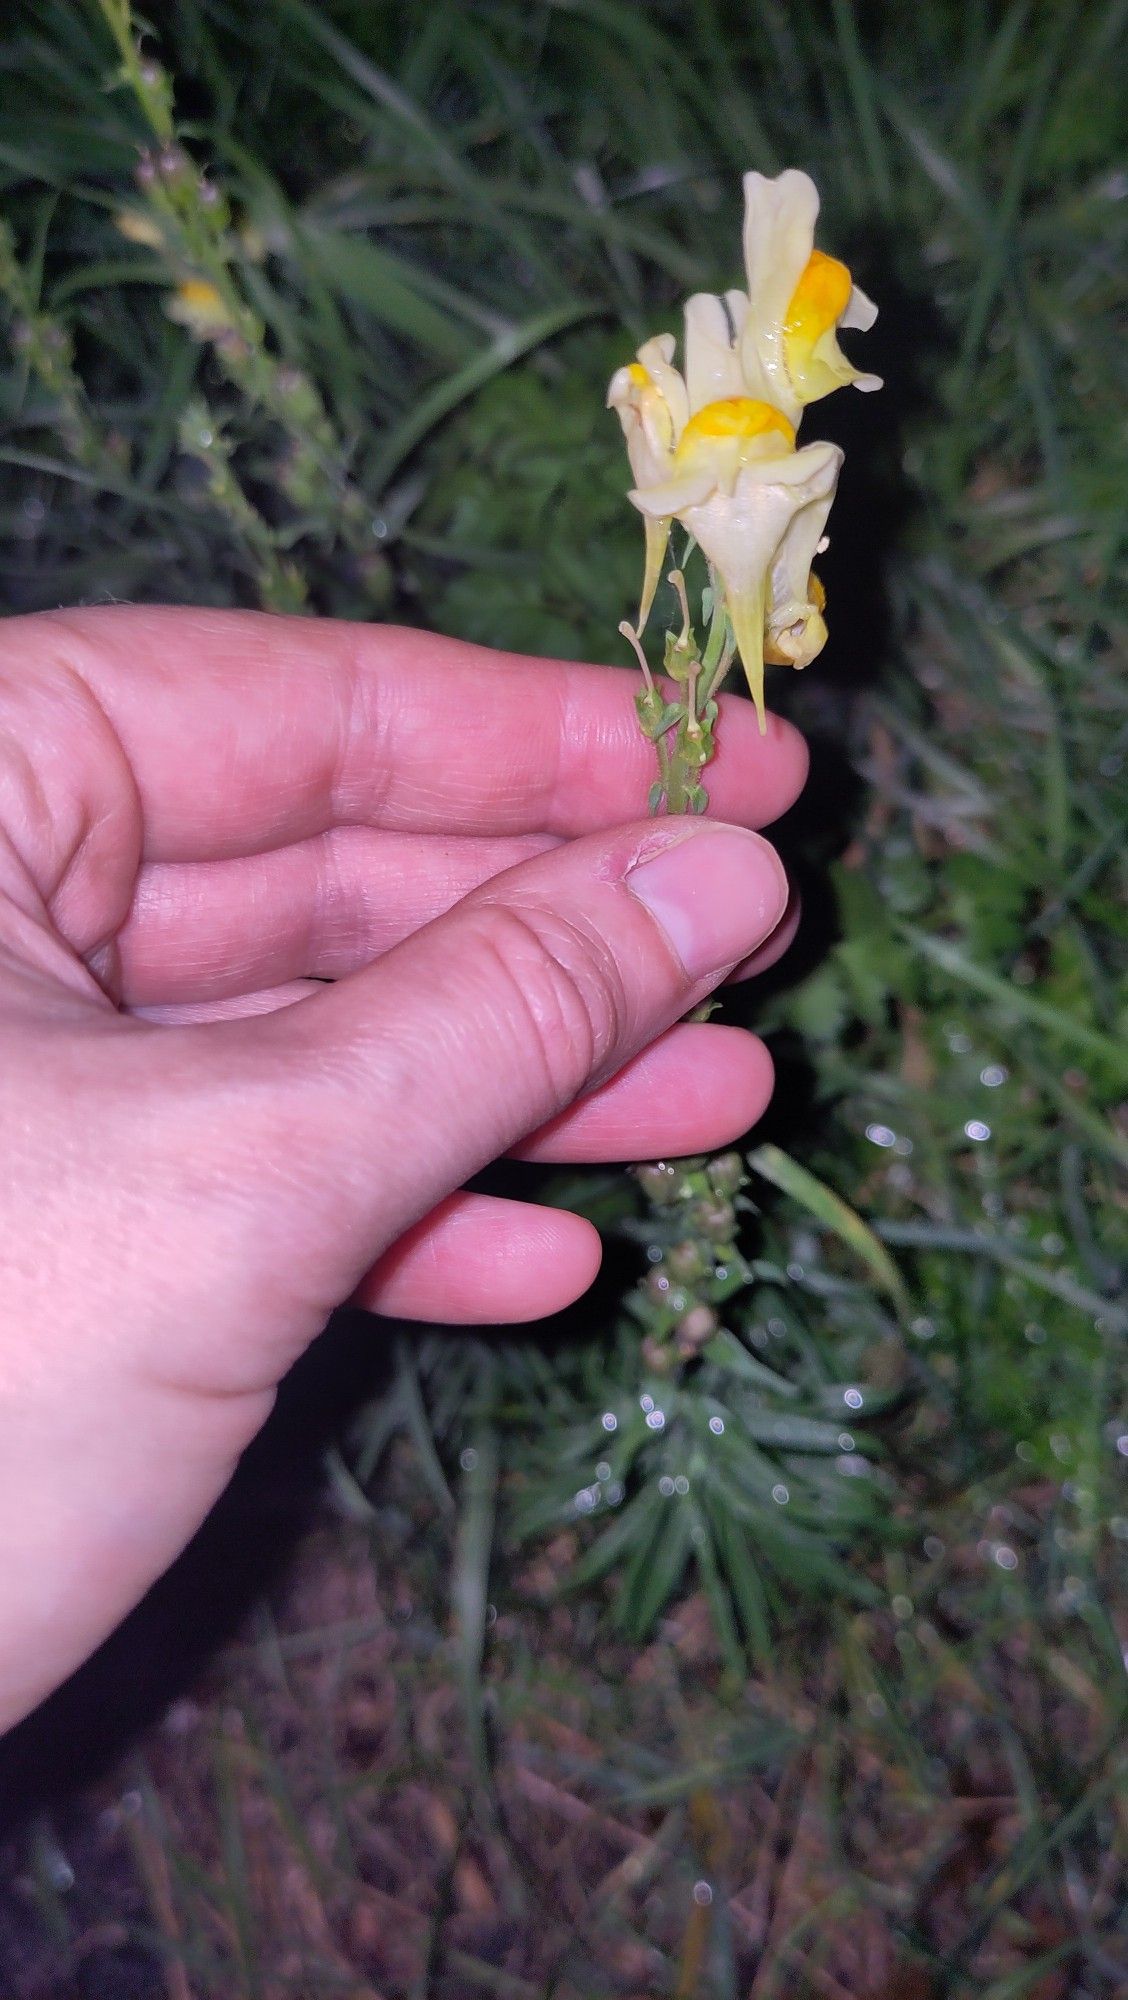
(203, 814)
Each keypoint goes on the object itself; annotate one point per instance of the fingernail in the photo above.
(717, 894)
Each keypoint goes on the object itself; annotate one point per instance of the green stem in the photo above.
(718, 657)
(711, 666)
(678, 782)
(692, 1204)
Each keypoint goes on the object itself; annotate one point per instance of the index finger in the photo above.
(246, 731)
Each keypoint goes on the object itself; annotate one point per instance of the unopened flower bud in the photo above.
(656, 1286)
(714, 1219)
(660, 1181)
(686, 1261)
(694, 1329)
(726, 1174)
(651, 708)
(657, 1354)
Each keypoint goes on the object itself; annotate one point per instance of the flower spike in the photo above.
(715, 447)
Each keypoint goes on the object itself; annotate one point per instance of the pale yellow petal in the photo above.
(198, 305)
(674, 495)
(760, 541)
(779, 234)
(712, 361)
(737, 304)
(647, 421)
(794, 625)
(860, 311)
(800, 640)
(657, 357)
(139, 227)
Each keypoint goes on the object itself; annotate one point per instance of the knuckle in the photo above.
(336, 907)
(564, 987)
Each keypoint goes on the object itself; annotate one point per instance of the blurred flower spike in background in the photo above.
(715, 448)
(200, 307)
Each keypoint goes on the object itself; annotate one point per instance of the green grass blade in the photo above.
(1016, 1003)
(860, 82)
(831, 1212)
(447, 395)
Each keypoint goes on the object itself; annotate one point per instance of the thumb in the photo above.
(402, 1081)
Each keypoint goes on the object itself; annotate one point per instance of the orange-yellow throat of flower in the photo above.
(817, 304)
(740, 419)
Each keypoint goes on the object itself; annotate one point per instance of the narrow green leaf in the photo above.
(978, 1243)
(446, 395)
(634, 1522)
(728, 1352)
(705, 1556)
(737, 1559)
(834, 1214)
(418, 1426)
(655, 1571)
(860, 82)
(785, 1432)
(469, 1587)
(386, 287)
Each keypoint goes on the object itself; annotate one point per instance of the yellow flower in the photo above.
(199, 305)
(137, 227)
(715, 448)
(797, 298)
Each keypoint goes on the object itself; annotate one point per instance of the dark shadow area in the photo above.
(871, 522)
(873, 513)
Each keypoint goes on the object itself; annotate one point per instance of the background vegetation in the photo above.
(816, 1685)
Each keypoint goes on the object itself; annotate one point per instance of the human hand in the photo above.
(202, 812)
